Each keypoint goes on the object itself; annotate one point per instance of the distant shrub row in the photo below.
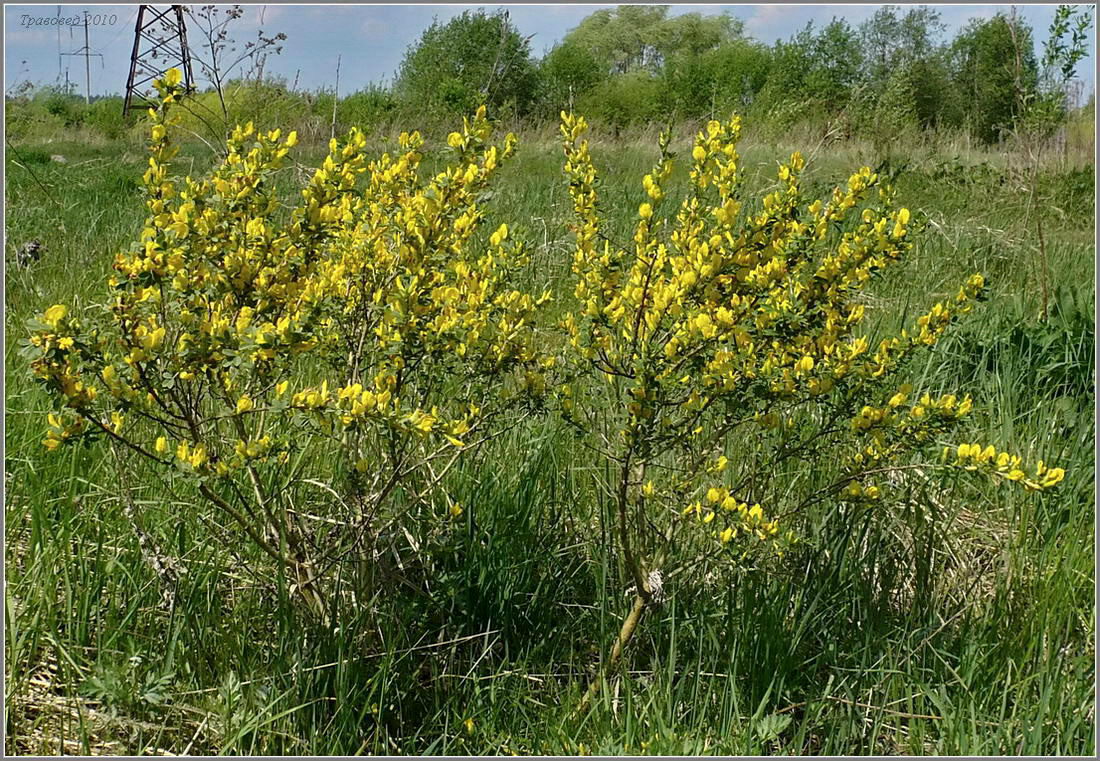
(636, 65)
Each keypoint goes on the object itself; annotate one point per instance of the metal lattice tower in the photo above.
(162, 29)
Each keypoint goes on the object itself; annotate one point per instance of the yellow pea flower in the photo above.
(1052, 477)
(55, 314)
(499, 236)
(421, 421)
(198, 457)
(153, 340)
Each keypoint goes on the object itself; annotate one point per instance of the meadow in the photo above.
(958, 620)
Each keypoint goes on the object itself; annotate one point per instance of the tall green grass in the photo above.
(959, 621)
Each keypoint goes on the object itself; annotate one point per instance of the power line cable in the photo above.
(122, 28)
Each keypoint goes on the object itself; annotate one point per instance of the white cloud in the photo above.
(763, 18)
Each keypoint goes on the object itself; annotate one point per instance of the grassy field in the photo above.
(959, 621)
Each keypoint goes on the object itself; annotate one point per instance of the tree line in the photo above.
(898, 73)
(635, 64)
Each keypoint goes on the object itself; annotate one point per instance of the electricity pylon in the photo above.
(164, 31)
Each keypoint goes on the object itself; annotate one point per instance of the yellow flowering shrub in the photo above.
(724, 343)
(262, 352)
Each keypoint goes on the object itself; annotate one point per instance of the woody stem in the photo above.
(630, 625)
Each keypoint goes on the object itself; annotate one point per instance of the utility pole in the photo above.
(86, 51)
(59, 44)
(87, 64)
(164, 30)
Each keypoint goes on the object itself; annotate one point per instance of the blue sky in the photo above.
(371, 39)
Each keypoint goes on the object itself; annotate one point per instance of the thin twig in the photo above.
(41, 184)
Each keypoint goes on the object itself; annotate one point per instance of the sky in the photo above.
(371, 40)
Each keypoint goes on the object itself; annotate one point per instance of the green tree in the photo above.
(693, 34)
(567, 72)
(636, 97)
(717, 81)
(472, 58)
(905, 54)
(835, 64)
(891, 41)
(892, 112)
(633, 37)
(1048, 106)
(621, 39)
(1045, 108)
(790, 61)
(994, 63)
(815, 70)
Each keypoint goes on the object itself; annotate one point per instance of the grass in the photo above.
(959, 621)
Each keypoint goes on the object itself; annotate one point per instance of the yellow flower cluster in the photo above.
(734, 518)
(901, 425)
(61, 430)
(56, 348)
(717, 295)
(1004, 465)
(722, 311)
(403, 274)
(378, 320)
(381, 285)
